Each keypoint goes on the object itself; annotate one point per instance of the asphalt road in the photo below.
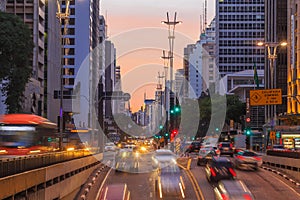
(263, 184)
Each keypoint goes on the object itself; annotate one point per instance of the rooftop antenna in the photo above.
(205, 14)
(106, 26)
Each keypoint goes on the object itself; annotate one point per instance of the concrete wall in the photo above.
(289, 166)
(56, 181)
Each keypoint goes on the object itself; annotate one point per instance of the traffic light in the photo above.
(166, 134)
(248, 131)
(161, 127)
(177, 109)
(172, 111)
(217, 129)
(49, 139)
(278, 134)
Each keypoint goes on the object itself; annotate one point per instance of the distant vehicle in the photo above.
(248, 160)
(169, 183)
(115, 192)
(194, 147)
(279, 147)
(226, 148)
(240, 141)
(219, 168)
(163, 157)
(229, 189)
(205, 153)
(124, 160)
(110, 147)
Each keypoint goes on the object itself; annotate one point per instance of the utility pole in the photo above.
(63, 17)
(171, 29)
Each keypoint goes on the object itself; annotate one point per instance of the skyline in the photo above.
(144, 33)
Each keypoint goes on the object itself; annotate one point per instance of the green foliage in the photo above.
(16, 47)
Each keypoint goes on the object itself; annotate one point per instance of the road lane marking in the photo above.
(102, 184)
(195, 185)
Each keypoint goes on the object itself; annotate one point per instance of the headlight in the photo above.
(35, 151)
(3, 151)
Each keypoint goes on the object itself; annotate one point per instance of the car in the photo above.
(205, 153)
(110, 147)
(226, 148)
(194, 147)
(278, 147)
(229, 189)
(247, 159)
(169, 183)
(163, 157)
(115, 191)
(219, 168)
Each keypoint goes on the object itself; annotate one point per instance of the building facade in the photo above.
(293, 106)
(79, 64)
(240, 25)
(32, 12)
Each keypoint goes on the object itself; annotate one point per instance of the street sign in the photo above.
(272, 135)
(265, 97)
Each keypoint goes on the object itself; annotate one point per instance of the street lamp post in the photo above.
(270, 76)
(62, 16)
(171, 28)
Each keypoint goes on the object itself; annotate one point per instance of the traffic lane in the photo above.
(199, 174)
(267, 185)
(140, 185)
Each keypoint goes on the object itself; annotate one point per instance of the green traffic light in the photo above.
(177, 109)
(172, 111)
(161, 126)
(217, 129)
(166, 134)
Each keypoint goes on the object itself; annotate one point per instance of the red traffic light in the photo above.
(248, 119)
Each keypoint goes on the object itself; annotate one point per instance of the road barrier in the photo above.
(284, 153)
(289, 166)
(11, 166)
(54, 182)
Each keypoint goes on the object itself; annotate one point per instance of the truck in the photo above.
(240, 141)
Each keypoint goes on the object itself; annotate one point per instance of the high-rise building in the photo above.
(293, 29)
(240, 25)
(201, 70)
(80, 63)
(276, 33)
(32, 12)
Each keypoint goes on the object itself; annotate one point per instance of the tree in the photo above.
(16, 47)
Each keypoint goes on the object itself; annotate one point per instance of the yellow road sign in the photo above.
(272, 135)
(265, 97)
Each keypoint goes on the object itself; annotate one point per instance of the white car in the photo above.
(110, 147)
(164, 157)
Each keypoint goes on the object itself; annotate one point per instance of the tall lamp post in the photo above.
(171, 28)
(62, 5)
(270, 77)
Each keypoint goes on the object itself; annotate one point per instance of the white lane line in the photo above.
(104, 180)
(151, 195)
(286, 185)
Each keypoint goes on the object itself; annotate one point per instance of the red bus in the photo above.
(22, 134)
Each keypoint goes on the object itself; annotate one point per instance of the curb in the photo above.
(87, 189)
(282, 175)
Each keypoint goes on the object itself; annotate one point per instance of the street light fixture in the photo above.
(271, 78)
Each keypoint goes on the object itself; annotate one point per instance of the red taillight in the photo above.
(191, 146)
(231, 145)
(240, 157)
(224, 197)
(220, 145)
(212, 171)
(232, 172)
(247, 197)
(257, 158)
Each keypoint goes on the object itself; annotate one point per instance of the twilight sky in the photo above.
(134, 26)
